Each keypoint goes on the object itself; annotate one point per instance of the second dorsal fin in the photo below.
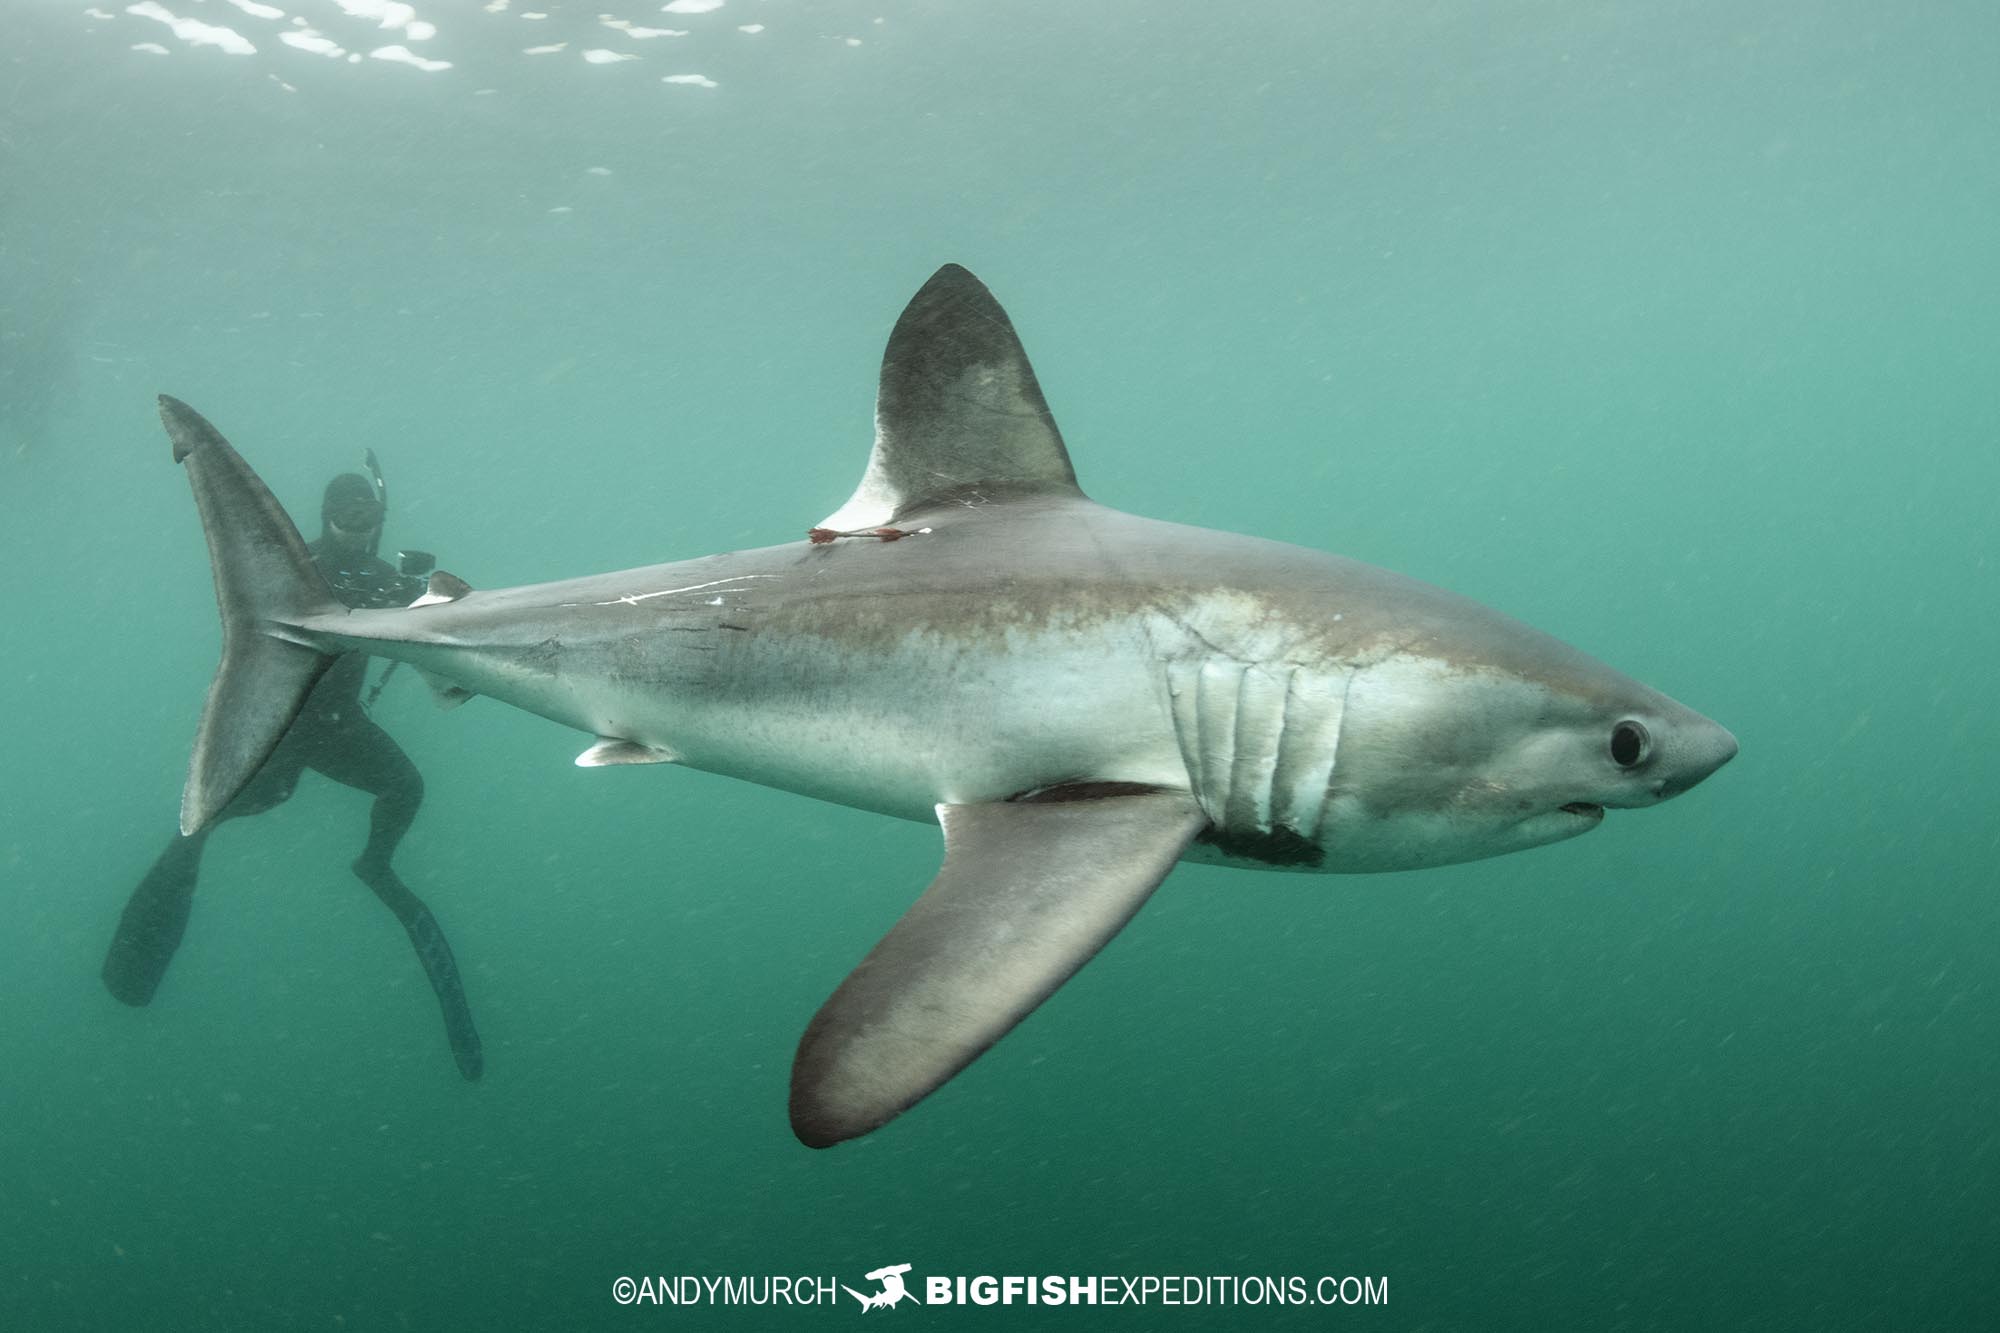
(442, 588)
(958, 414)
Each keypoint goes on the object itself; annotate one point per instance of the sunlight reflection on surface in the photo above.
(393, 32)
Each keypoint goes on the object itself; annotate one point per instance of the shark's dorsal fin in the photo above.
(958, 414)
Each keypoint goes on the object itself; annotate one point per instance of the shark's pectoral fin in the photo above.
(959, 416)
(1030, 891)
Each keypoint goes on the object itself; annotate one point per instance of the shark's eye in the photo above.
(1630, 744)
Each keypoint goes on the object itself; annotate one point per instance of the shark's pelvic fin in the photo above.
(958, 414)
(1030, 891)
(446, 694)
(611, 751)
(264, 578)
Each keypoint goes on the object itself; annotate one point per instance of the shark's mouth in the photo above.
(1584, 808)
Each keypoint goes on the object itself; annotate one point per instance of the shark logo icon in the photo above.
(892, 1291)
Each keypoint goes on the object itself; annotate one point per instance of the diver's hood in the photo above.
(351, 502)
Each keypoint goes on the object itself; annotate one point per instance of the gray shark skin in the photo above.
(1079, 697)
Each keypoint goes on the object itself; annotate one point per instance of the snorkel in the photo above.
(374, 466)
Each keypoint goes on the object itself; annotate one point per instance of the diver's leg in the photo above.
(154, 919)
(365, 757)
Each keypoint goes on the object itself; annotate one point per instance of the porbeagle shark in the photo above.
(1079, 697)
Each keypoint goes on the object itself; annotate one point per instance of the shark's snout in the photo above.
(1702, 750)
(1679, 753)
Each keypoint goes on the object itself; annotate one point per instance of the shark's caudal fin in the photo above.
(264, 578)
(958, 414)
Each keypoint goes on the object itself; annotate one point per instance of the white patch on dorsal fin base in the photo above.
(958, 413)
(443, 587)
(611, 752)
(1259, 742)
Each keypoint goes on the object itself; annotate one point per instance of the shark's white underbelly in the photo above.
(897, 729)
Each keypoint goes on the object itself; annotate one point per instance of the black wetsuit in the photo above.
(333, 736)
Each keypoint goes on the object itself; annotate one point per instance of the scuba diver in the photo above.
(332, 735)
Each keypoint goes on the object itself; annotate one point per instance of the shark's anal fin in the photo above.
(1029, 892)
(958, 414)
(611, 752)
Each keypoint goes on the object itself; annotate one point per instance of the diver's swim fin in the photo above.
(439, 965)
(150, 929)
(427, 938)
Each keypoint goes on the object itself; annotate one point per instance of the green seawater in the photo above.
(1669, 328)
